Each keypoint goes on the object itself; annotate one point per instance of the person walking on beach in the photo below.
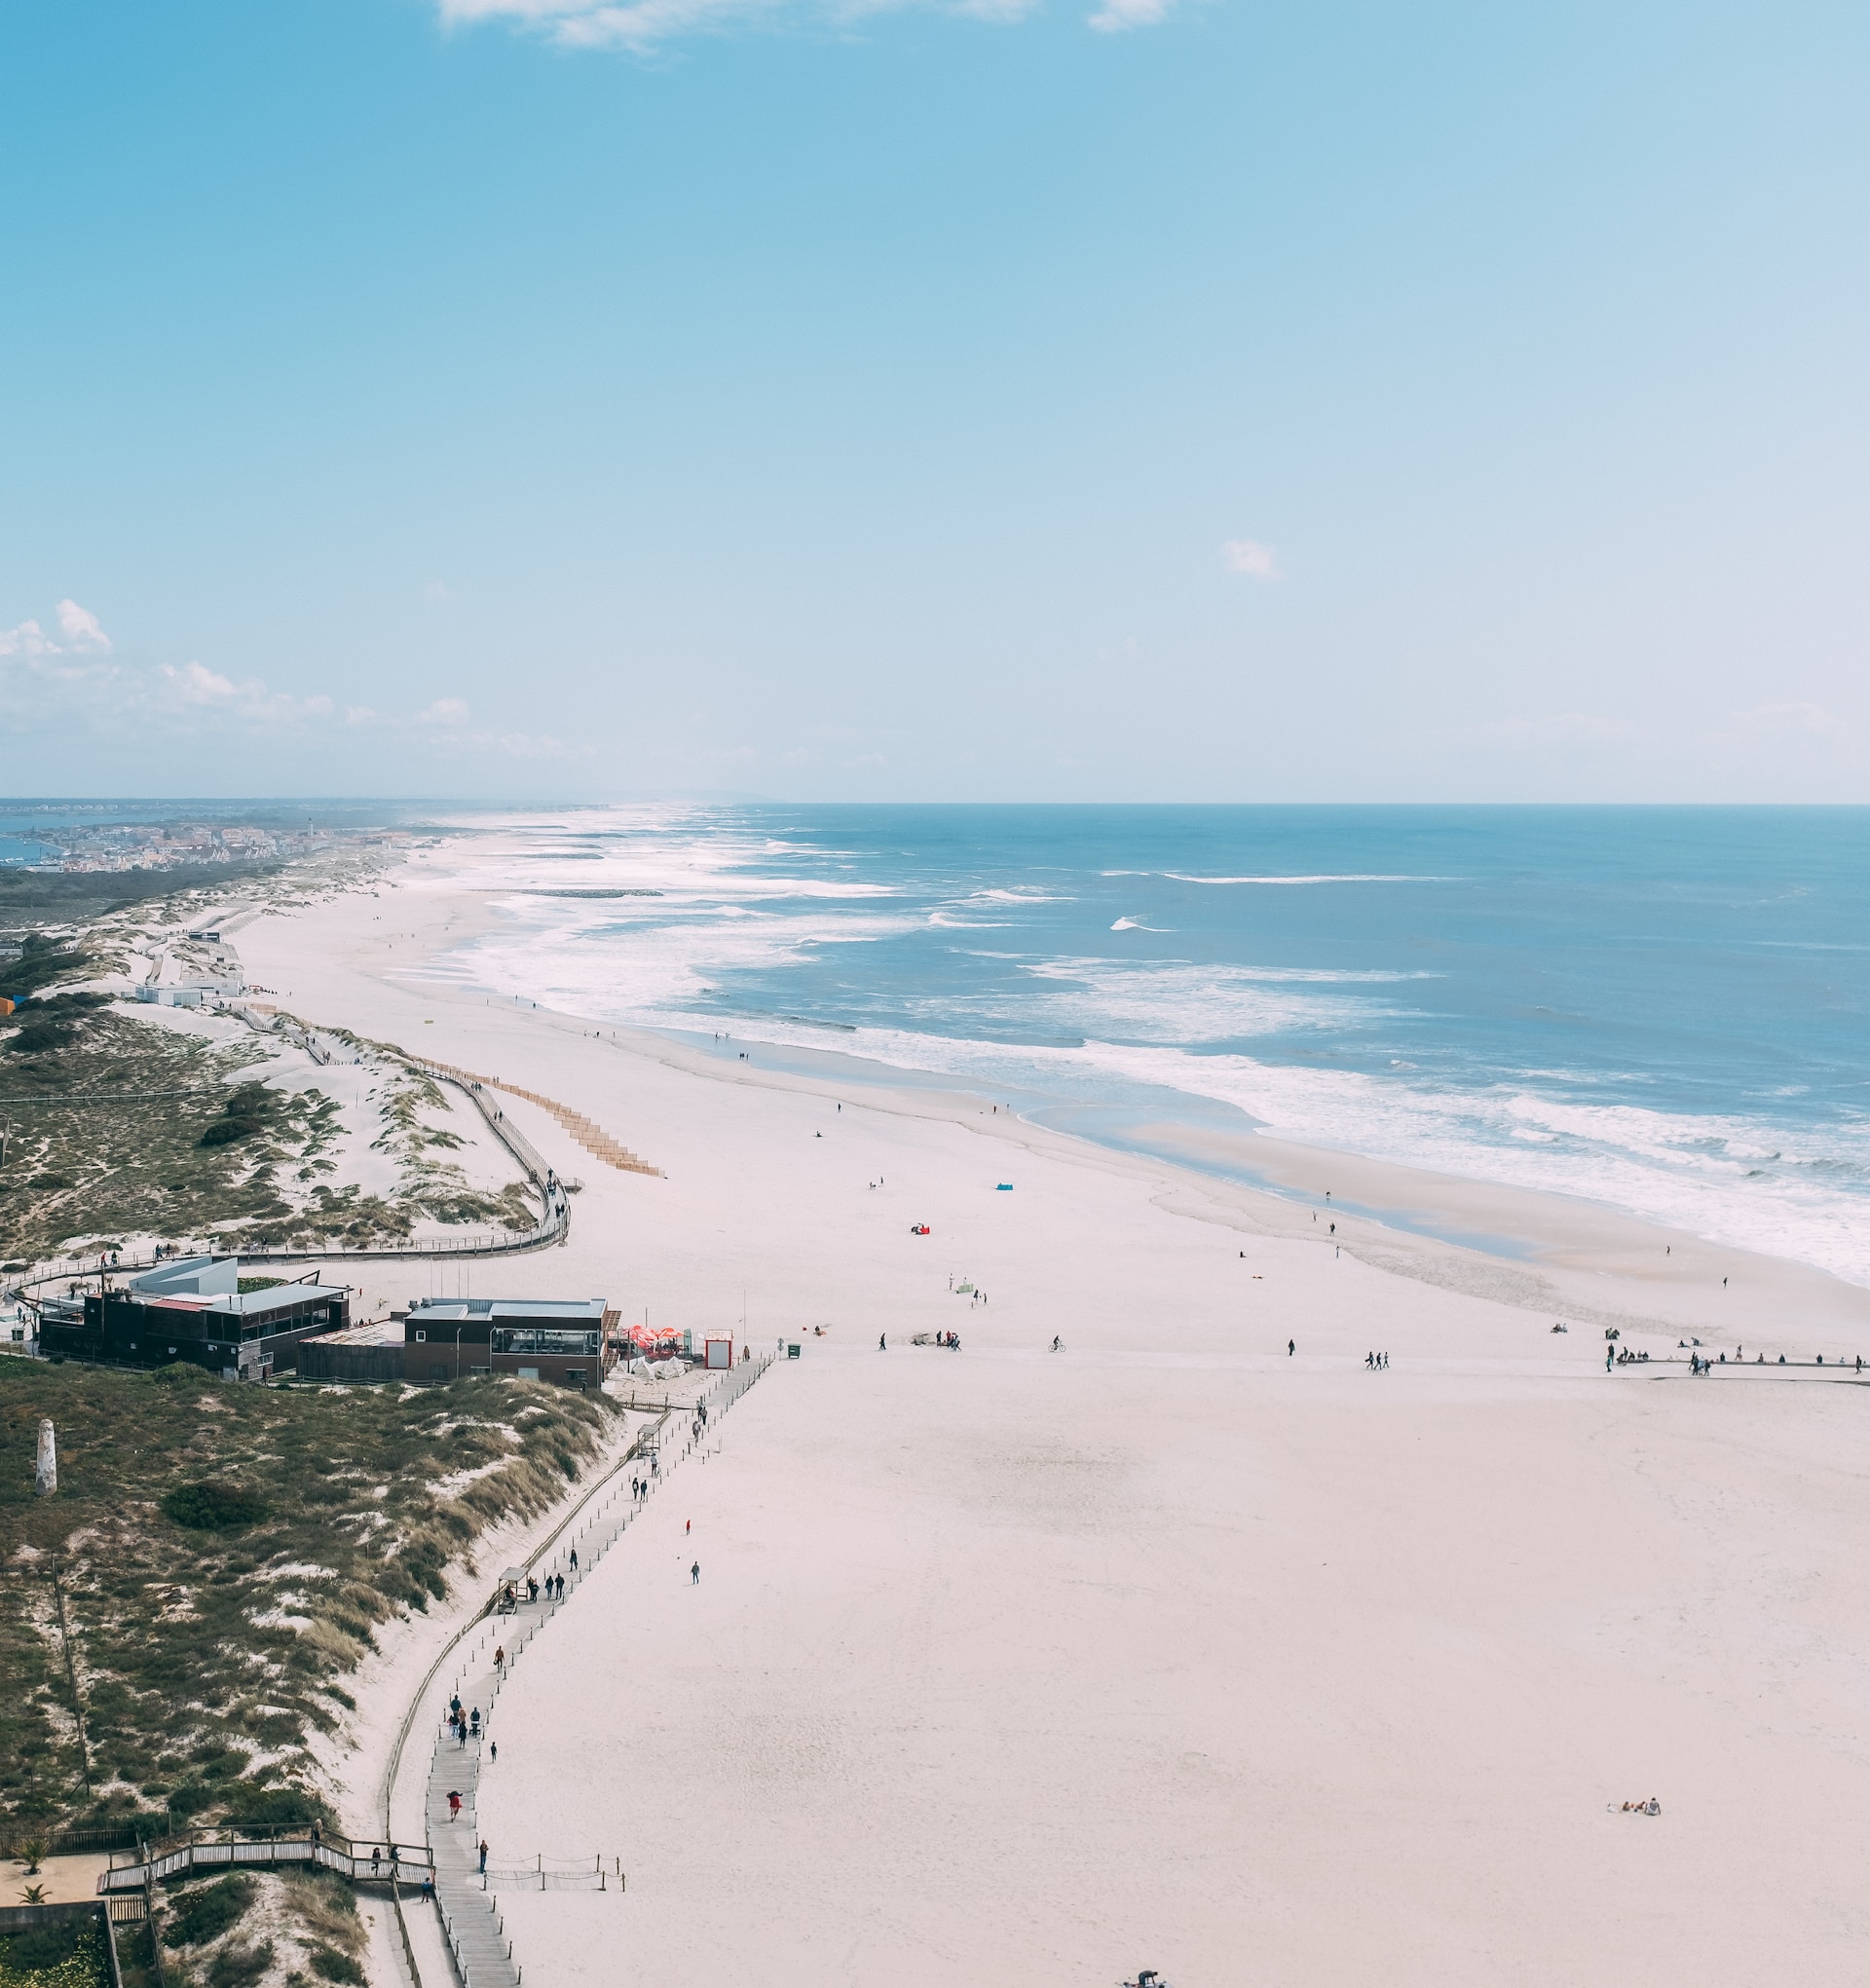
(493, 1751)
(1291, 1347)
(694, 1575)
(883, 1342)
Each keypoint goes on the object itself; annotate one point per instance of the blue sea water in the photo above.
(1662, 1009)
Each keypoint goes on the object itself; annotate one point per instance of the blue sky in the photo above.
(1123, 398)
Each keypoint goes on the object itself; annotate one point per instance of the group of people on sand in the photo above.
(1652, 1807)
(1376, 1359)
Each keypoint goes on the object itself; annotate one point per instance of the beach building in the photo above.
(532, 1339)
(194, 1309)
(368, 1352)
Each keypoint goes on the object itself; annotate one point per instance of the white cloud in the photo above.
(1251, 557)
(1116, 16)
(196, 684)
(84, 634)
(28, 639)
(641, 25)
(75, 687)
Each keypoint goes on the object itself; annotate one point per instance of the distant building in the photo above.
(194, 1309)
(532, 1338)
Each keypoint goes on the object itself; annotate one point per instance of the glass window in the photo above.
(544, 1339)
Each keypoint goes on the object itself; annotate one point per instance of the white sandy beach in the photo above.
(1171, 1649)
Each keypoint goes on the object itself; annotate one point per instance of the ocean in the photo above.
(1660, 1009)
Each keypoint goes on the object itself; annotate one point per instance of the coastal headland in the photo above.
(1199, 1643)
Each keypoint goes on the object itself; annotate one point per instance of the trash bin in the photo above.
(792, 1352)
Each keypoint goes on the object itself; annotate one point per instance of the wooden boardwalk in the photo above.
(469, 1902)
(585, 1131)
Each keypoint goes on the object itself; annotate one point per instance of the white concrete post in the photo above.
(46, 1477)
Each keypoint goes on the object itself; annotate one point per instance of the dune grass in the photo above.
(187, 1145)
(183, 1613)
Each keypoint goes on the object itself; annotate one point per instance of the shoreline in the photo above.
(1574, 1259)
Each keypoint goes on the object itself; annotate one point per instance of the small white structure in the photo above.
(45, 1478)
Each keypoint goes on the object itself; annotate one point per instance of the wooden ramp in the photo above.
(586, 1132)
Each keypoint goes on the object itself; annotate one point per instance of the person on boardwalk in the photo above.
(376, 1859)
(573, 1560)
(473, 1722)
(483, 1857)
(454, 1805)
(500, 1658)
(428, 1889)
(694, 1575)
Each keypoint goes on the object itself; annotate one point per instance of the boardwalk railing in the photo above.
(476, 1934)
(383, 1862)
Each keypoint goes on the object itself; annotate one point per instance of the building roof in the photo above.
(249, 1303)
(436, 1310)
(246, 1303)
(371, 1333)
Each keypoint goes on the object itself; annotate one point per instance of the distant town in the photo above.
(129, 845)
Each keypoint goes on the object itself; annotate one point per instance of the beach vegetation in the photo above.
(68, 1953)
(218, 1560)
(207, 1911)
(213, 1507)
(122, 1126)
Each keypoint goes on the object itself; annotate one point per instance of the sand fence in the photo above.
(585, 1131)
